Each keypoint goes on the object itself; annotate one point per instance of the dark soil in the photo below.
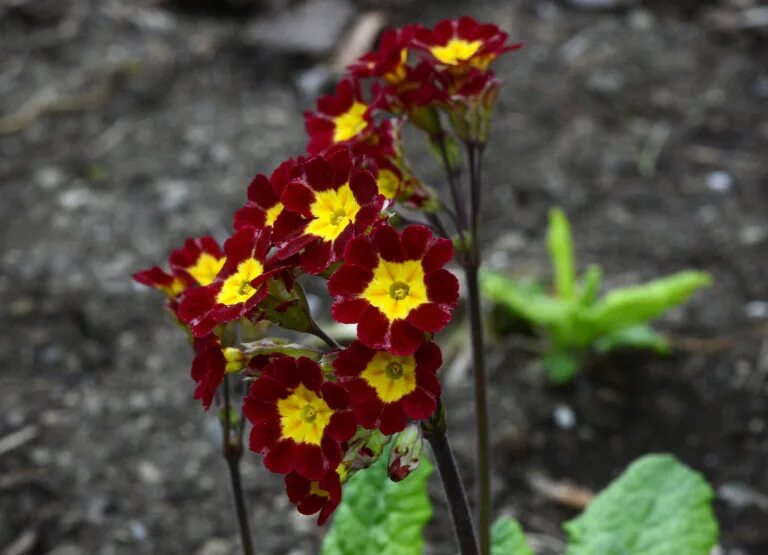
(117, 458)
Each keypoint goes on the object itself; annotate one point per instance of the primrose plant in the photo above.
(575, 319)
(344, 425)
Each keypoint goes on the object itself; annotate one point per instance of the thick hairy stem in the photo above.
(232, 449)
(471, 267)
(461, 516)
(481, 411)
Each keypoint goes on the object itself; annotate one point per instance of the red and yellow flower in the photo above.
(196, 263)
(239, 287)
(341, 118)
(314, 496)
(390, 59)
(263, 207)
(460, 44)
(386, 390)
(208, 368)
(394, 287)
(337, 200)
(299, 419)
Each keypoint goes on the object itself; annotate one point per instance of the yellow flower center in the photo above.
(350, 123)
(273, 213)
(333, 210)
(206, 268)
(392, 376)
(315, 489)
(237, 288)
(397, 288)
(398, 73)
(456, 51)
(388, 183)
(174, 289)
(304, 416)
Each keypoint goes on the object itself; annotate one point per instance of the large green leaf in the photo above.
(637, 304)
(507, 538)
(527, 302)
(560, 245)
(657, 507)
(380, 517)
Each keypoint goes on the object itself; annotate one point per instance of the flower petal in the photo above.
(442, 287)
(429, 317)
(349, 280)
(349, 311)
(372, 328)
(405, 337)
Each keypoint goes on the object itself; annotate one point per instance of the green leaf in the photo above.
(381, 517)
(507, 538)
(590, 285)
(641, 336)
(657, 507)
(561, 366)
(527, 302)
(560, 246)
(637, 304)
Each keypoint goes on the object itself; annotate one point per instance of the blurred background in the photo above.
(127, 126)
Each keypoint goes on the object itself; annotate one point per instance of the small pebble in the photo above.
(719, 181)
(564, 417)
(756, 310)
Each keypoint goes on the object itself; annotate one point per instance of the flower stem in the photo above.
(232, 449)
(318, 332)
(481, 410)
(471, 267)
(461, 516)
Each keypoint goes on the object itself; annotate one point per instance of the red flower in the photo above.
(385, 389)
(156, 277)
(395, 288)
(312, 496)
(208, 368)
(299, 419)
(239, 287)
(196, 263)
(340, 118)
(337, 200)
(264, 207)
(389, 60)
(464, 43)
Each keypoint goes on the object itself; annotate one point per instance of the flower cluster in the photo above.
(316, 418)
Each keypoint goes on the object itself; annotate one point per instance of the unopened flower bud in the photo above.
(406, 453)
(236, 359)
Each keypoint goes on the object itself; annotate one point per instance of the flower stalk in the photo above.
(232, 450)
(461, 516)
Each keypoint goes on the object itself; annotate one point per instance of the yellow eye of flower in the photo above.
(333, 211)
(273, 213)
(237, 287)
(206, 268)
(398, 73)
(314, 489)
(350, 123)
(388, 183)
(456, 51)
(392, 376)
(304, 416)
(174, 289)
(397, 288)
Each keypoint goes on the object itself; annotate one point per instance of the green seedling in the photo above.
(575, 319)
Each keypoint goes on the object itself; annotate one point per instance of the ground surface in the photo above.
(179, 112)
